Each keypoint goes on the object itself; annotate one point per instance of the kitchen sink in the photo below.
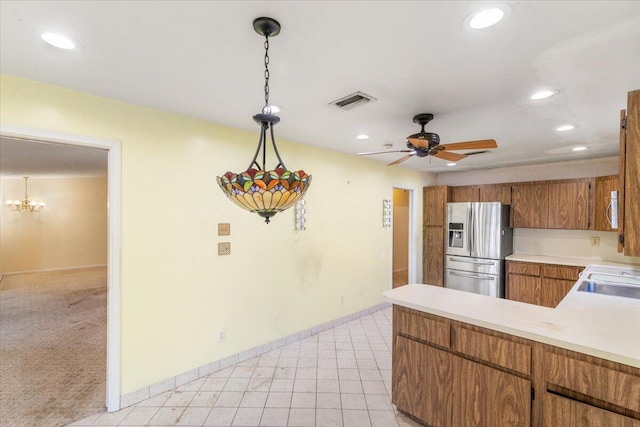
(613, 289)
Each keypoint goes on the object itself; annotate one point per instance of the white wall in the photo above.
(70, 232)
(540, 172)
(561, 243)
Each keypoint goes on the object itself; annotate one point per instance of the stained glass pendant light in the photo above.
(265, 192)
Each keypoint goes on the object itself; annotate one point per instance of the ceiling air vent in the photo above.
(352, 100)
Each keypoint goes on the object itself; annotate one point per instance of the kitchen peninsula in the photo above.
(462, 359)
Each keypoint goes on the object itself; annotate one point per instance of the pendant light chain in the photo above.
(267, 108)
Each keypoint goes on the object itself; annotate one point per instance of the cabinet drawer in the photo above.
(565, 272)
(608, 385)
(416, 325)
(495, 350)
(561, 411)
(526, 268)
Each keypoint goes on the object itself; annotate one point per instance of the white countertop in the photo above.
(577, 262)
(599, 325)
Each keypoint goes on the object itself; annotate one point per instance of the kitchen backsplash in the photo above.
(569, 243)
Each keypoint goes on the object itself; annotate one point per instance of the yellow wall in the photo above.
(71, 231)
(176, 291)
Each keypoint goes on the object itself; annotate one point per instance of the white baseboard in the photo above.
(173, 382)
(44, 270)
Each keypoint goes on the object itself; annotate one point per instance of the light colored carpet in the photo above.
(53, 341)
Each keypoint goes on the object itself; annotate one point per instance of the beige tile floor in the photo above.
(340, 377)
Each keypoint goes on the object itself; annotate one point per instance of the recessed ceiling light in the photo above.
(486, 16)
(543, 94)
(451, 164)
(579, 148)
(387, 146)
(362, 136)
(59, 41)
(565, 128)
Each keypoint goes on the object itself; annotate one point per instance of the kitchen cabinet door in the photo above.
(604, 186)
(433, 256)
(435, 205)
(629, 228)
(562, 411)
(465, 193)
(530, 205)
(422, 381)
(523, 288)
(496, 193)
(484, 396)
(552, 291)
(569, 205)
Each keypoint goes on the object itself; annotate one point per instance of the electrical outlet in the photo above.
(222, 334)
(595, 241)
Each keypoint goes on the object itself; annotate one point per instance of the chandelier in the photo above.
(265, 192)
(25, 204)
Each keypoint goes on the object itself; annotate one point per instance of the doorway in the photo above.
(401, 228)
(111, 273)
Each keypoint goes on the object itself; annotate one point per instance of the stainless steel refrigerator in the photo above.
(478, 240)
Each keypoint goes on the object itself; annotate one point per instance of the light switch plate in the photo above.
(224, 248)
(224, 229)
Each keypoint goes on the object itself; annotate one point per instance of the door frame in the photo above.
(114, 240)
(412, 255)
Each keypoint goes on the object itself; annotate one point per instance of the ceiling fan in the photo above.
(425, 144)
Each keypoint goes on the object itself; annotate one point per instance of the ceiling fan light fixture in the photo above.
(543, 94)
(486, 17)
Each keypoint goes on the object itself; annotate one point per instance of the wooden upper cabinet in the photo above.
(465, 193)
(604, 186)
(530, 205)
(496, 193)
(630, 176)
(569, 205)
(435, 205)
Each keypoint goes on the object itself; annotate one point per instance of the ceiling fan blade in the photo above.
(471, 145)
(452, 157)
(417, 142)
(402, 159)
(385, 151)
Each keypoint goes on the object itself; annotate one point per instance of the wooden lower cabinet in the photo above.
(539, 284)
(562, 411)
(422, 381)
(484, 396)
(492, 379)
(523, 288)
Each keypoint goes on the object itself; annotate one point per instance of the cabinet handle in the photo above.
(471, 262)
(453, 273)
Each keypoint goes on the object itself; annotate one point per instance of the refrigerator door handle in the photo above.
(455, 273)
(471, 262)
(472, 248)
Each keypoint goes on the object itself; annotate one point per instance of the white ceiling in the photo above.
(19, 158)
(203, 59)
